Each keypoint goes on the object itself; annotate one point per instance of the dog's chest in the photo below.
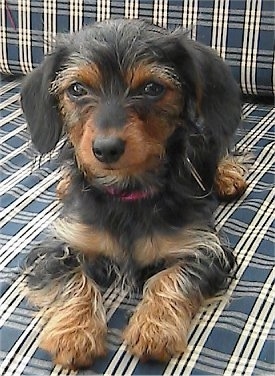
(126, 273)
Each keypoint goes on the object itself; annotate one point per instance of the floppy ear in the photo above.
(182, 54)
(40, 106)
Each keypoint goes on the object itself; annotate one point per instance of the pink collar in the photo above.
(131, 196)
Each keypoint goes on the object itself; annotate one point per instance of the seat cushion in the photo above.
(232, 336)
(242, 31)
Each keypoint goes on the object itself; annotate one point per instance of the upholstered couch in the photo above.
(233, 336)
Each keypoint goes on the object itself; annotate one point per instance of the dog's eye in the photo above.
(153, 89)
(77, 90)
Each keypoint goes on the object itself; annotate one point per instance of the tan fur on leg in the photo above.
(230, 180)
(76, 330)
(159, 327)
(63, 185)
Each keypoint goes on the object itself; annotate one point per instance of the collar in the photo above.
(130, 196)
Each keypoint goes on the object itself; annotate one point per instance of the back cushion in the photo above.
(242, 32)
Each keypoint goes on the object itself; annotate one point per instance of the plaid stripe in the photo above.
(242, 31)
(227, 338)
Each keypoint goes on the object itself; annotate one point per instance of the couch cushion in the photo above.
(240, 30)
(233, 336)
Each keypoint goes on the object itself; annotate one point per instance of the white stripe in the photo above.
(136, 9)
(98, 10)
(80, 14)
(53, 23)
(72, 14)
(224, 28)
(155, 12)
(195, 20)
(76, 15)
(127, 9)
(244, 62)
(107, 9)
(185, 14)
(28, 40)
(256, 24)
(215, 24)
(46, 26)
(165, 13)
(20, 36)
(3, 44)
(249, 47)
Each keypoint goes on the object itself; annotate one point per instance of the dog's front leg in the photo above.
(159, 327)
(75, 329)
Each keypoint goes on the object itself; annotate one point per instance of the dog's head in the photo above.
(119, 90)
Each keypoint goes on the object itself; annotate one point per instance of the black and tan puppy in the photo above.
(149, 116)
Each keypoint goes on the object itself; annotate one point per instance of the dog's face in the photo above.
(119, 90)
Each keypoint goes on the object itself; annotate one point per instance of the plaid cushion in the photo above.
(235, 338)
(240, 30)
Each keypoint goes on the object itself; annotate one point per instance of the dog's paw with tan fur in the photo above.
(75, 350)
(230, 180)
(63, 185)
(155, 332)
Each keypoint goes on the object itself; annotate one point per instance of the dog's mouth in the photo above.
(129, 188)
(131, 195)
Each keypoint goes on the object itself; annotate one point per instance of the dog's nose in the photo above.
(108, 149)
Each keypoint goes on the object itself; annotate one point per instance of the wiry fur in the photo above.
(74, 317)
(144, 219)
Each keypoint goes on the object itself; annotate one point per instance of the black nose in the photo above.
(108, 149)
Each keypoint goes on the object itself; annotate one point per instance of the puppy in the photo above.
(149, 117)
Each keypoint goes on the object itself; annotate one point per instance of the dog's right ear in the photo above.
(40, 106)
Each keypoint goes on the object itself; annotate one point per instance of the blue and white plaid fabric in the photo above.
(233, 336)
(242, 31)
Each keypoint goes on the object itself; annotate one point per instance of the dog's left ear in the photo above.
(40, 106)
(186, 60)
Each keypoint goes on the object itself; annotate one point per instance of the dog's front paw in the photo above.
(63, 185)
(74, 350)
(76, 324)
(155, 333)
(230, 180)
